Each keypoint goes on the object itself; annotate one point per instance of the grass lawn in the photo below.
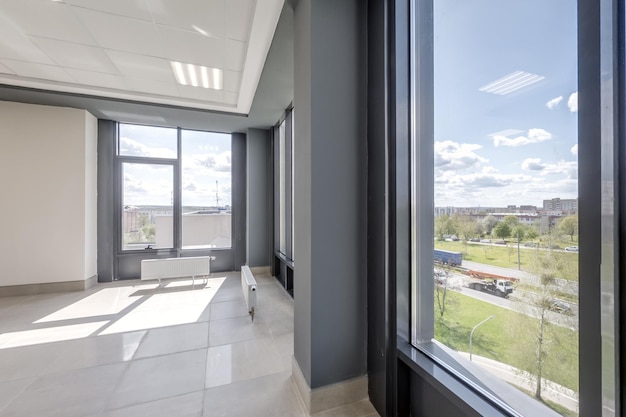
(506, 256)
(500, 338)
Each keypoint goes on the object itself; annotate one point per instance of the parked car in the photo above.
(560, 306)
(485, 241)
(531, 244)
(500, 242)
(572, 248)
(474, 239)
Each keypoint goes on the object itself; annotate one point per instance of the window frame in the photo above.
(176, 164)
(598, 88)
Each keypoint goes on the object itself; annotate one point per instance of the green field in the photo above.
(504, 338)
(506, 256)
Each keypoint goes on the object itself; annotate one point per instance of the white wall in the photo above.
(48, 186)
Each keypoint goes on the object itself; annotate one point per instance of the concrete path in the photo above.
(551, 391)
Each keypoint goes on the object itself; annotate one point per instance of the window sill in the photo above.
(465, 384)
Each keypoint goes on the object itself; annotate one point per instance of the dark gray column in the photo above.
(105, 201)
(330, 188)
(239, 200)
(259, 193)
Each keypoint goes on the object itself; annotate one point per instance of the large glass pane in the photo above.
(206, 189)
(506, 202)
(148, 141)
(147, 206)
(282, 180)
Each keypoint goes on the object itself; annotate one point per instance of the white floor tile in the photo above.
(159, 378)
(173, 339)
(186, 405)
(266, 396)
(68, 394)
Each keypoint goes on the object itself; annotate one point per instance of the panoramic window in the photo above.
(206, 190)
(505, 249)
(163, 193)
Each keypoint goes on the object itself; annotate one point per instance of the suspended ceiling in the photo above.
(115, 58)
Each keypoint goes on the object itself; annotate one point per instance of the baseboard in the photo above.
(48, 287)
(260, 270)
(329, 396)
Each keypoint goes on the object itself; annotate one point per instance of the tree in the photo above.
(531, 233)
(502, 230)
(569, 226)
(488, 223)
(519, 232)
(539, 347)
(442, 284)
(512, 221)
(466, 227)
(444, 225)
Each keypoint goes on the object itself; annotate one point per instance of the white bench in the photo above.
(175, 268)
(248, 286)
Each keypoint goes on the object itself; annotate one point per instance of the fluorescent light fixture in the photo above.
(197, 75)
(512, 82)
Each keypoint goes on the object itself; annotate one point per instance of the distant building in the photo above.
(569, 206)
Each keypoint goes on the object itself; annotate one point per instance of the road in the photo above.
(565, 286)
(519, 301)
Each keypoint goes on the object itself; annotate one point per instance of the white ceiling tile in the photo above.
(5, 70)
(231, 98)
(98, 79)
(235, 55)
(140, 66)
(136, 9)
(208, 16)
(15, 45)
(232, 81)
(204, 94)
(73, 55)
(46, 18)
(121, 33)
(192, 48)
(153, 87)
(45, 72)
(239, 17)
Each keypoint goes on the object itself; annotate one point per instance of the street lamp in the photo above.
(472, 333)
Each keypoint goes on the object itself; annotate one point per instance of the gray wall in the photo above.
(106, 198)
(330, 191)
(258, 153)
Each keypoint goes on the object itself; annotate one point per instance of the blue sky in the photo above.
(516, 148)
(206, 166)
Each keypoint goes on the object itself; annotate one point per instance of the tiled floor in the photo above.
(131, 349)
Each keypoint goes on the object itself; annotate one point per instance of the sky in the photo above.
(206, 166)
(519, 147)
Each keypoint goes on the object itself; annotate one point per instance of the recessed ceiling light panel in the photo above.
(512, 82)
(198, 76)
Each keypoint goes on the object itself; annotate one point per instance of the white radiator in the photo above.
(248, 285)
(175, 268)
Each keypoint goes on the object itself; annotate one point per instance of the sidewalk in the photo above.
(551, 391)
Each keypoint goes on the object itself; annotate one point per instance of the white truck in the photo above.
(499, 287)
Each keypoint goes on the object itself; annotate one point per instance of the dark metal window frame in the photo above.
(176, 163)
(602, 159)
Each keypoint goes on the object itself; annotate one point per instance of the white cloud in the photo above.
(533, 164)
(567, 168)
(455, 156)
(131, 147)
(574, 149)
(554, 102)
(572, 102)
(218, 162)
(534, 136)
